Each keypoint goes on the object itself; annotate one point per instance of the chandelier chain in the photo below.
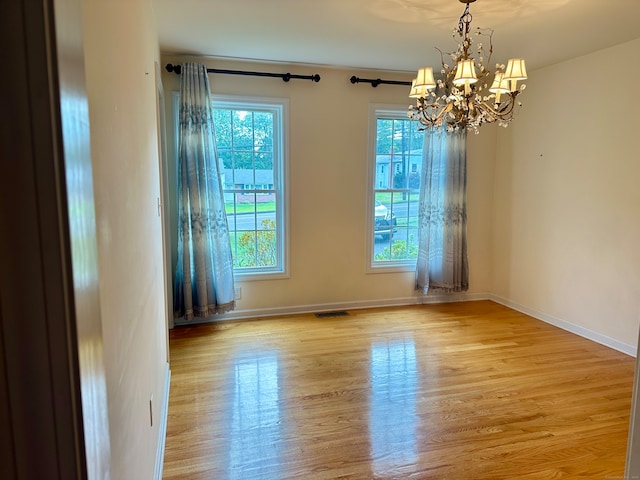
(464, 24)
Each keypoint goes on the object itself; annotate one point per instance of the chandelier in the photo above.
(463, 98)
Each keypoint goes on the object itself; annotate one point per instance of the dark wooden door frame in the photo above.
(51, 365)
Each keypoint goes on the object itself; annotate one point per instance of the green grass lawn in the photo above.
(386, 197)
(249, 208)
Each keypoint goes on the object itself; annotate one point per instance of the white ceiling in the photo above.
(390, 34)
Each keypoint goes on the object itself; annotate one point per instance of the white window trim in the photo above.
(375, 110)
(282, 214)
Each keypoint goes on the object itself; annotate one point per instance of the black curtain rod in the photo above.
(284, 76)
(376, 81)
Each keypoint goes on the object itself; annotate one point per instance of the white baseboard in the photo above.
(453, 297)
(568, 326)
(329, 307)
(162, 428)
(418, 300)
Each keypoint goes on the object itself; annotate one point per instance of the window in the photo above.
(251, 146)
(396, 159)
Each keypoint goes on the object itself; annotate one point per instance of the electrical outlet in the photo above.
(238, 293)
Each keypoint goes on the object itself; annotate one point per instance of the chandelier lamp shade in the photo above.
(463, 97)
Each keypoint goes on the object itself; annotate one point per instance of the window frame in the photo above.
(280, 109)
(377, 111)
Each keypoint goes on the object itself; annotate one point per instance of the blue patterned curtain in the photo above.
(204, 271)
(442, 229)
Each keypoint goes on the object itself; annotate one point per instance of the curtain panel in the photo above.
(442, 264)
(204, 283)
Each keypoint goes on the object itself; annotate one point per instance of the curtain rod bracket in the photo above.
(173, 68)
(376, 81)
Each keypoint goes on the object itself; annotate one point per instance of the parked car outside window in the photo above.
(385, 221)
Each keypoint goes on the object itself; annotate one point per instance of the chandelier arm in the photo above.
(431, 120)
(504, 112)
(488, 59)
(490, 46)
(444, 65)
(447, 108)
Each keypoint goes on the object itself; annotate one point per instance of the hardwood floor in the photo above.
(463, 391)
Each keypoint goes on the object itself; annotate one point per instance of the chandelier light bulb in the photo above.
(515, 71)
(425, 78)
(499, 86)
(465, 73)
(417, 91)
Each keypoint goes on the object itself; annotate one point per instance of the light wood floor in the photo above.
(464, 391)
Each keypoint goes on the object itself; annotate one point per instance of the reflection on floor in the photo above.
(471, 390)
(392, 407)
(255, 420)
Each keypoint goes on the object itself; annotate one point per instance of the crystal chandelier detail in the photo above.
(463, 98)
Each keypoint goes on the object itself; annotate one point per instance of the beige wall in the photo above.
(120, 50)
(567, 201)
(328, 190)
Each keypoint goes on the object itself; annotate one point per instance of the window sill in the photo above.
(249, 277)
(392, 268)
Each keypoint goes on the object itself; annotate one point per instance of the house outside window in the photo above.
(395, 164)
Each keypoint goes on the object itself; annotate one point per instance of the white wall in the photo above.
(567, 201)
(120, 50)
(328, 190)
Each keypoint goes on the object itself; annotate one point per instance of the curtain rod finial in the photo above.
(173, 68)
